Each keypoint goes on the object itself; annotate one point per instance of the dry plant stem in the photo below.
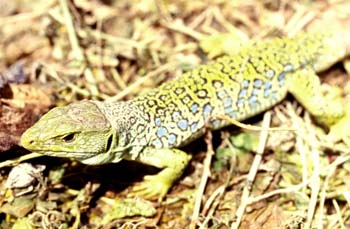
(213, 201)
(140, 81)
(339, 215)
(122, 41)
(298, 21)
(323, 195)
(290, 189)
(340, 160)
(252, 172)
(77, 51)
(52, 73)
(330, 173)
(19, 159)
(203, 182)
(302, 151)
(118, 79)
(218, 194)
(300, 146)
(346, 195)
(252, 127)
(315, 184)
(27, 16)
(315, 180)
(180, 27)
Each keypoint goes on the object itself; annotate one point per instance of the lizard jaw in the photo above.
(84, 157)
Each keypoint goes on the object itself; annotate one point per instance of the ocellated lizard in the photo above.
(150, 128)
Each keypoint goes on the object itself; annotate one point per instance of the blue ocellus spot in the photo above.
(216, 123)
(207, 110)
(267, 92)
(240, 102)
(158, 121)
(288, 67)
(182, 124)
(245, 83)
(242, 93)
(162, 131)
(228, 110)
(194, 107)
(252, 99)
(255, 91)
(221, 94)
(269, 73)
(194, 127)
(274, 95)
(171, 139)
(281, 78)
(157, 143)
(268, 85)
(253, 105)
(176, 115)
(257, 83)
(232, 114)
(228, 102)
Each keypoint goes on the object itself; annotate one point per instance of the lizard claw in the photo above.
(152, 186)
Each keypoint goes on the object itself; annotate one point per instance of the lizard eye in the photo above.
(68, 138)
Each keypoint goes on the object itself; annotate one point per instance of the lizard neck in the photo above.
(128, 122)
(120, 114)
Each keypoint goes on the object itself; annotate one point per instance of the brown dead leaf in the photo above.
(270, 216)
(20, 107)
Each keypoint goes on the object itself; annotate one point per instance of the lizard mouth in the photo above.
(76, 155)
(89, 158)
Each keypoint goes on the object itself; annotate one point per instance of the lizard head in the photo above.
(79, 130)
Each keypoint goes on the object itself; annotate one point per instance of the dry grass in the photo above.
(114, 50)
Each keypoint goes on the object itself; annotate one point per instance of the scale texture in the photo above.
(151, 127)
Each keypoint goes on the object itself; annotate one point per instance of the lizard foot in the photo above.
(340, 130)
(152, 186)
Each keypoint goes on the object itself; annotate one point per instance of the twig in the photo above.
(141, 81)
(339, 216)
(19, 159)
(77, 51)
(340, 160)
(180, 27)
(252, 172)
(252, 127)
(203, 182)
(332, 168)
(27, 16)
(290, 189)
(218, 193)
(315, 184)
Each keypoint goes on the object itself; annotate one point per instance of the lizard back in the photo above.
(239, 86)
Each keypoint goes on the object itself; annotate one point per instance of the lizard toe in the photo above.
(152, 186)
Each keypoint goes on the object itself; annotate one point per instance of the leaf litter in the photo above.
(115, 50)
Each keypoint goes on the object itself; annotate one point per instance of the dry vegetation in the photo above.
(53, 52)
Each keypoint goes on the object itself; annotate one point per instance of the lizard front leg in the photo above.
(172, 162)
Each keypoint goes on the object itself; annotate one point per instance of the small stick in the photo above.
(203, 182)
(140, 81)
(252, 172)
(77, 51)
(252, 127)
(19, 159)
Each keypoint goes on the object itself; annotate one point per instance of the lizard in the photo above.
(152, 128)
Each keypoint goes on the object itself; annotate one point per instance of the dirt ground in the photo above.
(54, 52)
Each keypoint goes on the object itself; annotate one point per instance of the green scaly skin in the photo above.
(151, 127)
